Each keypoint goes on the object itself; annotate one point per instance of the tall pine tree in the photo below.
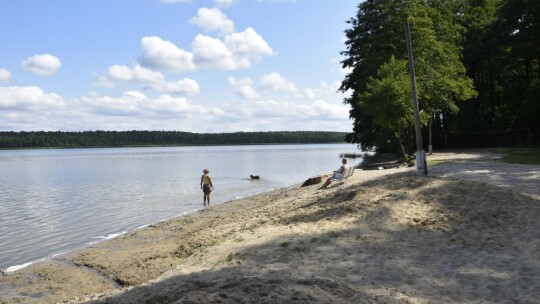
(376, 55)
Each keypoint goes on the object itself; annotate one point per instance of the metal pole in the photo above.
(430, 147)
(421, 166)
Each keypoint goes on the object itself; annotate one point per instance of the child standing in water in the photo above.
(206, 186)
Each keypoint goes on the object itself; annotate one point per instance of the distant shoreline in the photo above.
(109, 139)
(172, 146)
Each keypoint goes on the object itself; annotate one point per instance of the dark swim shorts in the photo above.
(206, 189)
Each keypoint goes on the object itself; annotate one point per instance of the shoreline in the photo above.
(111, 236)
(382, 235)
(14, 268)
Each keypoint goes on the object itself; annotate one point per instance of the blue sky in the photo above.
(197, 66)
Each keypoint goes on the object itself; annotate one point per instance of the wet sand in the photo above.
(467, 233)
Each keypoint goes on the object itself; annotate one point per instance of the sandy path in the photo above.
(466, 233)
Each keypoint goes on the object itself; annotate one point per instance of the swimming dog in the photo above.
(254, 177)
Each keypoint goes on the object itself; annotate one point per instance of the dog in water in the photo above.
(254, 177)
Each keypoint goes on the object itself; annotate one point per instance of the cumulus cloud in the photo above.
(184, 86)
(235, 51)
(151, 80)
(120, 72)
(136, 104)
(160, 54)
(170, 104)
(244, 88)
(42, 65)
(129, 104)
(5, 75)
(274, 114)
(276, 82)
(104, 82)
(325, 89)
(248, 44)
(28, 98)
(212, 19)
(212, 53)
(310, 94)
(318, 110)
(133, 110)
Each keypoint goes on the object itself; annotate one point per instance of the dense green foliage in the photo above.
(502, 55)
(158, 138)
(476, 64)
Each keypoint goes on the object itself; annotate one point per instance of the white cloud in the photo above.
(133, 110)
(264, 115)
(120, 72)
(169, 104)
(321, 92)
(183, 86)
(129, 104)
(138, 106)
(276, 82)
(104, 82)
(310, 94)
(161, 54)
(212, 53)
(5, 75)
(248, 44)
(150, 79)
(28, 98)
(43, 65)
(236, 51)
(244, 88)
(212, 19)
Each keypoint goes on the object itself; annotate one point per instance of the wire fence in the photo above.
(502, 138)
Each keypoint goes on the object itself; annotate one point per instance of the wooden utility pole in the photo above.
(421, 164)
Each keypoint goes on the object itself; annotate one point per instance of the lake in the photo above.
(57, 200)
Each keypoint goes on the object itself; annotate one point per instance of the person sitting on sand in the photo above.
(337, 174)
(206, 186)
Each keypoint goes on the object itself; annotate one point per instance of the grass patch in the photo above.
(434, 162)
(525, 157)
(284, 244)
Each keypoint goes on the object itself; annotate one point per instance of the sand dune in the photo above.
(467, 233)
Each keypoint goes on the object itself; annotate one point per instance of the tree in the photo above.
(518, 30)
(376, 54)
(501, 50)
(390, 90)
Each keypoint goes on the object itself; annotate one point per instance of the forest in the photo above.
(42, 139)
(477, 66)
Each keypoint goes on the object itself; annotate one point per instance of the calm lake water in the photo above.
(53, 201)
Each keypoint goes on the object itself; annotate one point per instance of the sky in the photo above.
(204, 66)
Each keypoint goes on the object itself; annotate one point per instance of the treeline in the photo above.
(42, 139)
(477, 65)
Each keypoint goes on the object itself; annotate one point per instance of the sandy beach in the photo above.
(469, 232)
